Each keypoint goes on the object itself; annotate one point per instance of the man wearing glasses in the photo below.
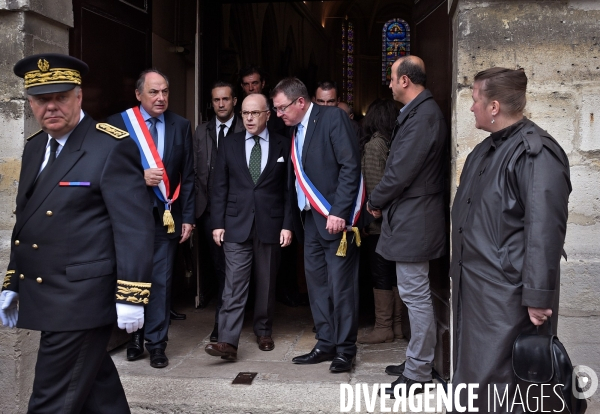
(251, 218)
(324, 194)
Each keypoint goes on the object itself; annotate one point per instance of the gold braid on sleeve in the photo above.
(7, 278)
(137, 293)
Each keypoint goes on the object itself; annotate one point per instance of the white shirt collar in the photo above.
(227, 123)
(264, 135)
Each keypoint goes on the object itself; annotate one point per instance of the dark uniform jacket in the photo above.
(71, 243)
(410, 193)
(509, 221)
(179, 164)
(237, 202)
(205, 157)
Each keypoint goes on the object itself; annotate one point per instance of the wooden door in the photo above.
(432, 41)
(114, 38)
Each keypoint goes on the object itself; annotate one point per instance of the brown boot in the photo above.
(382, 331)
(397, 315)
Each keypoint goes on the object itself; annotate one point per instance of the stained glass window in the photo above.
(395, 43)
(348, 62)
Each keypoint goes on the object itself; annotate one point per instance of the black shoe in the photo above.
(214, 335)
(342, 362)
(158, 359)
(135, 347)
(409, 384)
(177, 316)
(395, 370)
(315, 356)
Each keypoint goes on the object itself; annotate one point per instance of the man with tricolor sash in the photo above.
(327, 193)
(165, 143)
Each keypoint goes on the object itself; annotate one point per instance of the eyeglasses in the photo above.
(255, 114)
(282, 109)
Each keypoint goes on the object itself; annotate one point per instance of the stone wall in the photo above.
(26, 27)
(558, 45)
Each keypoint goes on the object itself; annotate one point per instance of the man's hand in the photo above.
(186, 232)
(218, 235)
(130, 317)
(285, 238)
(8, 308)
(373, 212)
(153, 176)
(538, 315)
(335, 224)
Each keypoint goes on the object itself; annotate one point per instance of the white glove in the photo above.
(8, 308)
(130, 317)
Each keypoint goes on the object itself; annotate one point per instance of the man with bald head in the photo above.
(410, 196)
(251, 218)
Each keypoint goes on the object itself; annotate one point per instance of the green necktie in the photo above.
(255, 157)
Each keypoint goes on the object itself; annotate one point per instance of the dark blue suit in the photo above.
(179, 164)
(331, 160)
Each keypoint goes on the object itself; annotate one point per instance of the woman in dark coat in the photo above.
(376, 133)
(509, 221)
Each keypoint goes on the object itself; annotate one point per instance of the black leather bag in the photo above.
(544, 375)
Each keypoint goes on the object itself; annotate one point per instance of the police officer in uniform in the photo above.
(81, 246)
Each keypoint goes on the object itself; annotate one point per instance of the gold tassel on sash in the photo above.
(343, 246)
(168, 221)
(341, 252)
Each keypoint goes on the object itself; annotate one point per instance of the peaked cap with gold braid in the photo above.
(50, 73)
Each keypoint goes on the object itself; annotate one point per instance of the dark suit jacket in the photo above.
(237, 202)
(70, 244)
(411, 192)
(331, 159)
(205, 141)
(179, 163)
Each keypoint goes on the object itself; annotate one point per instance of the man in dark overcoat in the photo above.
(81, 243)
(410, 196)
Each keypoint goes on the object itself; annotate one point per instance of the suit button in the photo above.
(35, 246)
(459, 263)
(49, 213)
(39, 280)
(469, 201)
(21, 276)
(15, 211)
(17, 242)
(460, 230)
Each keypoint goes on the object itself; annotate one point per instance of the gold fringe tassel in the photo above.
(343, 246)
(357, 235)
(168, 221)
(341, 252)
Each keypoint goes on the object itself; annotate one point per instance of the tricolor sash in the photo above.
(137, 128)
(320, 204)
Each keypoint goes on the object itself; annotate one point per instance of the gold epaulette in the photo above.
(6, 283)
(33, 135)
(112, 131)
(133, 292)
